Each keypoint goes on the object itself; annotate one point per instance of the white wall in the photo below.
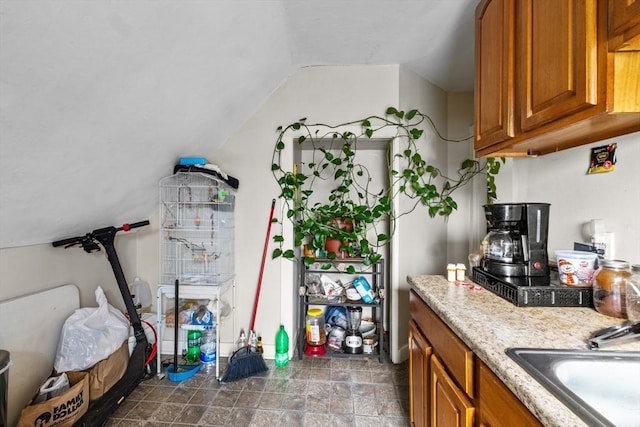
(575, 197)
(420, 244)
(29, 269)
(461, 225)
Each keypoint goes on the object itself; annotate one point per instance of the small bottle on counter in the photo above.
(451, 272)
(461, 271)
(259, 347)
(242, 340)
(253, 341)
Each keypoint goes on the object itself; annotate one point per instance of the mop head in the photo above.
(244, 363)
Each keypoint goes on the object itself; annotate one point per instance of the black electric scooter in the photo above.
(100, 410)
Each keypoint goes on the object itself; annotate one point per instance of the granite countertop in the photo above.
(488, 325)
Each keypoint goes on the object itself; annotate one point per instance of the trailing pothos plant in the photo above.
(333, 188)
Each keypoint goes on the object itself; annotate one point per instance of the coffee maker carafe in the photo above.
(516, 244)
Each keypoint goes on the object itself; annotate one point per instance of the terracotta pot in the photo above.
(308, 252)
(343, 224)
(333, 246)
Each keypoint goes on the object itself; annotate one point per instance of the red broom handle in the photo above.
(264, 256)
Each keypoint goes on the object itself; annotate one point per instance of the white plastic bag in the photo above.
(54, 386)
(90, 335)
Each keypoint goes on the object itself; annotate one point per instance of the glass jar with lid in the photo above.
(609, 288)
(633, 293)
(316, 334)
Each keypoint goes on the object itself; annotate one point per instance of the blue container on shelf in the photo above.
(364, 289)
(190, 161)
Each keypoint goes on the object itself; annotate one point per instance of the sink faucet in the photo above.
(615, 334)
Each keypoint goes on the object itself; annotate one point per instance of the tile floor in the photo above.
(309, 392)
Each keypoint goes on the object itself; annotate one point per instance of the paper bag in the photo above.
(63, 410)
(106, 373)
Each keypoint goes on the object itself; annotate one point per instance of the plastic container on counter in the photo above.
(316, 334)
(633, 294)
(609, 288)
(576, 268)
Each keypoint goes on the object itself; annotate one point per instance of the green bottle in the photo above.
(282, 347)
(194, 339)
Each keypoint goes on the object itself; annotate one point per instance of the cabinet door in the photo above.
(557, 60)
(450, 407)
(497, 406)
(419, 354)
(624, 24)
(494, 95)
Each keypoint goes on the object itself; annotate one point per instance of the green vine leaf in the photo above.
(349, 195)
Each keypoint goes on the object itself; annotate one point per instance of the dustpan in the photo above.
(182, 373)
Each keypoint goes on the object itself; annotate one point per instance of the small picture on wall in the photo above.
(603, 159)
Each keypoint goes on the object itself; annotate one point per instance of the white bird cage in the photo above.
(196, 229)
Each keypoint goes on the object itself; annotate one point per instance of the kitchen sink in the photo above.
(601, 387)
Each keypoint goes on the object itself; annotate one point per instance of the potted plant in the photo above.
(334, 188)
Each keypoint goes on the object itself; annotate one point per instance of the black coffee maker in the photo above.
(516, 242)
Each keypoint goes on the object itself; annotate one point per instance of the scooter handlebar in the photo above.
(127, 227)
(90, 236)
(66, 242)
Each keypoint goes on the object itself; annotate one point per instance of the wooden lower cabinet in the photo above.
(450, 386)
(419, 376)
(450, 406)
(497, 406)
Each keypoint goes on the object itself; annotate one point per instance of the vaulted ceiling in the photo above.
(87, 87)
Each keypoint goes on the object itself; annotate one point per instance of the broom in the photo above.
(243, 362)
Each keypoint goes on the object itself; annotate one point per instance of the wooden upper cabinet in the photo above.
(557, 60)
(624, 24)
(494, 73)
(567, 88)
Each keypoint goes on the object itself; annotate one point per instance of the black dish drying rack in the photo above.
(534, 292)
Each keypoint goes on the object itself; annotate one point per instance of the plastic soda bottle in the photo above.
(282, 347)
(208, 350)
(194, 339)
